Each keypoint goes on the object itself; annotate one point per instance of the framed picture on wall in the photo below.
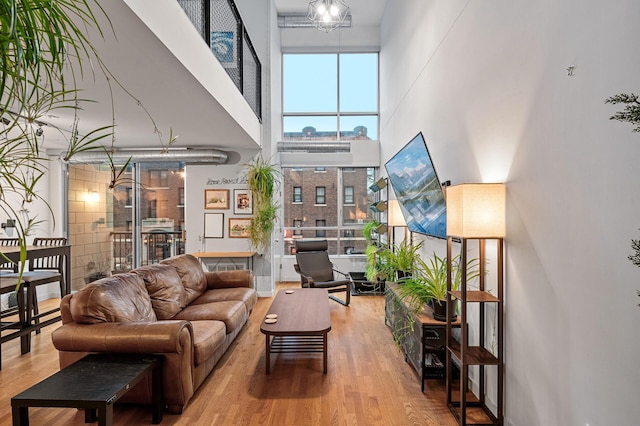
(223, 45)
(242, 202)
(216, 199)
(238, 227)
(214, 225)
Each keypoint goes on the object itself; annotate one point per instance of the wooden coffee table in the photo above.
(303, 322)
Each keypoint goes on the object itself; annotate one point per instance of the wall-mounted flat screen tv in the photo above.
(418, 190)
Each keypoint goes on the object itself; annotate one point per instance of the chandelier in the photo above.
(327, 15)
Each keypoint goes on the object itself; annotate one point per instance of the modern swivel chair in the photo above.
(317, 271)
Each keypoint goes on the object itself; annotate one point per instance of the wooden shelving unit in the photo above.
(380, 207)
(418, 335)
(476, 355)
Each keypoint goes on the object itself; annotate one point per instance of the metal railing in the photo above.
(155, 247)
(221, 27)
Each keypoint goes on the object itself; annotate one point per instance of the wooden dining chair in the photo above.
(50, 263)
(14, 317)
(43, 270)
(5, 265)
(8, 285)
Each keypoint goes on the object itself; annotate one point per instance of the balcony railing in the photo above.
(156, 246)
(221, 27)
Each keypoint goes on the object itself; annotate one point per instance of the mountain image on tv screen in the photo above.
(417, 188)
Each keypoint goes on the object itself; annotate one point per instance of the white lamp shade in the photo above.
(476, 210)
(395, 216)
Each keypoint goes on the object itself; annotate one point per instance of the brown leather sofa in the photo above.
(173, 308)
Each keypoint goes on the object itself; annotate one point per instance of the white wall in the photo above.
(487, 84)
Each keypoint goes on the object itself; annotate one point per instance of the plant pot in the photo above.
(402, 274)
(94, 277)
(440, 311)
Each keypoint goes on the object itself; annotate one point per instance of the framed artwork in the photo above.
(216, 199)
(242, 201)
(214, 225)
(238, 227)
(223, 45)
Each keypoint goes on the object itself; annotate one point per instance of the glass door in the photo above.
(103, 229)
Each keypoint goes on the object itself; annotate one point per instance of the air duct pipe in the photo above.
(190, 156)
(317, 147)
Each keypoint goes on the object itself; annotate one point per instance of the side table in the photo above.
(92, 383)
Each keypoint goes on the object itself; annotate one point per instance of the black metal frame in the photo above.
(253, 99)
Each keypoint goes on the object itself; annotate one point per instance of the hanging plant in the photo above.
(262, 180)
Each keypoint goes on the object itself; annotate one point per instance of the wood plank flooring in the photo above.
(368, 381)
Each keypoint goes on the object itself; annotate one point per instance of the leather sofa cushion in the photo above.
(246, 295)
(233, 313)
(191, 274)
(164, 286)
(119, 298)
(208, 336)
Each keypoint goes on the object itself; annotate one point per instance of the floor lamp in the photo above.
(395, 218)
(476, 212)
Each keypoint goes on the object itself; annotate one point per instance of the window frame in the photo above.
(319, 190)
(351, 201)
(339, 114)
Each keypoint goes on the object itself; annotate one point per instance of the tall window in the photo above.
(320, 195)
(328, 98)
(340, 222)
(297, 194)
(341, 105)
(108, 243)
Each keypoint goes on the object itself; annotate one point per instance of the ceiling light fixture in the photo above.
(327, 15)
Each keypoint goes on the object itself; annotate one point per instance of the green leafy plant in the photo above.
(401, 258)
(631, 112)
(369, 229)
(376, 270)
(37, 40)
(429, 282)
(44, 53)
(262, 180)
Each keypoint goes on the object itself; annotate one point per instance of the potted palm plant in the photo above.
(428, 284)
(401, 259)
(38, 39)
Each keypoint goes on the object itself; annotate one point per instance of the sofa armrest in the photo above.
(227, 279)
(171, 336)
